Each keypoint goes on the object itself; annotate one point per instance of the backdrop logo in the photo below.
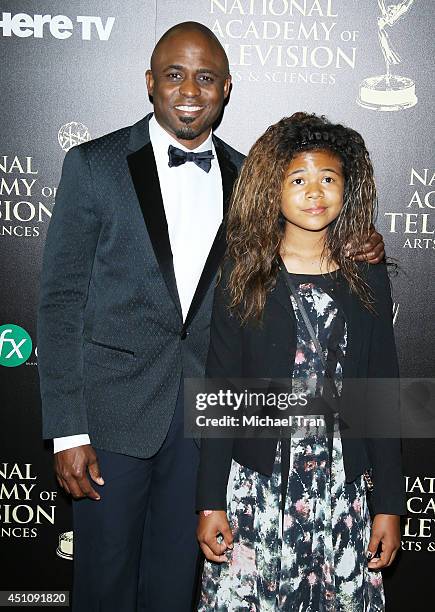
(388, 92)
(65, 548)
(26, 507)
(419, 531)
(396, 306)
(25, 203)
(416, 224)
(15, 345)
(72, 134)
(284, 41)
(57, 26)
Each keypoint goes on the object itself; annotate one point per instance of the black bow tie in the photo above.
(177, 157)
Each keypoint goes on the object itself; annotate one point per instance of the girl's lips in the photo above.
(318, 210)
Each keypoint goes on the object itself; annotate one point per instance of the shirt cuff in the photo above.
(66, 442)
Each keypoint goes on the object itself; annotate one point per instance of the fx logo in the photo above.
(15, 345)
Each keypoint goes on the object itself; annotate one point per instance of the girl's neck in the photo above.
(302, 250)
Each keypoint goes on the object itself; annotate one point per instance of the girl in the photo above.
(284, 524)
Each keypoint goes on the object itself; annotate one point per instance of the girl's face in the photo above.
(312, 194)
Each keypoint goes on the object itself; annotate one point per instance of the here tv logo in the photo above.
(15, 345)
(61, 27)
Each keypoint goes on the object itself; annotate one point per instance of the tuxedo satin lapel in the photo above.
(143, 171)
(217, 251)
(140, 133)
(228, 170)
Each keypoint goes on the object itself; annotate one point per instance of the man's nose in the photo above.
(189, 88)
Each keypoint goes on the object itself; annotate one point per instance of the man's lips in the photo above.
(189, 109)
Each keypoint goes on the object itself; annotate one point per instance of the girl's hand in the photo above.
(209, 527)
(385, 531)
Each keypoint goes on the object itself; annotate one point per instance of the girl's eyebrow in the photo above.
(296, 171)
(329, 170)
(321, 170)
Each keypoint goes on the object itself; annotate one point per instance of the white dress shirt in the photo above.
(193, 203)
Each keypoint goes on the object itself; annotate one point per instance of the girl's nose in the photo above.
(314, 190)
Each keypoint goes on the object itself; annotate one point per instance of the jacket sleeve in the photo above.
(224, 361)
(388, 495)
(66, 271)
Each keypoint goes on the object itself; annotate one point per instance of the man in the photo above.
(132, 252)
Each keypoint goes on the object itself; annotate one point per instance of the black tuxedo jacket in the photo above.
(268, 351)
(112, 346)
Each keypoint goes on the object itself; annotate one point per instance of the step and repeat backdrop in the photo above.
(72, 71)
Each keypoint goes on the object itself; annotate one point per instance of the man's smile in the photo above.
(189, 108)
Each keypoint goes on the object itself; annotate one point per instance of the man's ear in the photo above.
(149, 81)
(227, 86)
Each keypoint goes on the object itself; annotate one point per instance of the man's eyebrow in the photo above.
(173, 67)
(199, 71)
(208, 70)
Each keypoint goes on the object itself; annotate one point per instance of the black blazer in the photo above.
(112, 344)
(253, 351)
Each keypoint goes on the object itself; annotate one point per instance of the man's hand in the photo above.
(373, 250)
(209, 527)
(70, 467)
(385, 531)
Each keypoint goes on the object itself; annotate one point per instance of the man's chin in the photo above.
(187, 133)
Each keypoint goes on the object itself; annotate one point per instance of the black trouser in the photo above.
(135, 549)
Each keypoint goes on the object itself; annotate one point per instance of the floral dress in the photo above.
(308, 553)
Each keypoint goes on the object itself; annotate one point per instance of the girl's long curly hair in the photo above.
(255, 226)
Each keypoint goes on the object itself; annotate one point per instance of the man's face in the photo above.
(188, 83)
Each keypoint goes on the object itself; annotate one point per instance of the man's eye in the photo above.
(206, 78)
(174, 75)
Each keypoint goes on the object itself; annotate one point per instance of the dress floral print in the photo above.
(310, 557)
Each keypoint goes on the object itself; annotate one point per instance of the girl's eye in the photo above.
(328, 179)
(298, 181)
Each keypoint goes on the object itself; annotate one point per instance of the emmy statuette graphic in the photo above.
(65, 550)
(388, 92)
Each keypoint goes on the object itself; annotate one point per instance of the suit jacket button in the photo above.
(183, 334)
